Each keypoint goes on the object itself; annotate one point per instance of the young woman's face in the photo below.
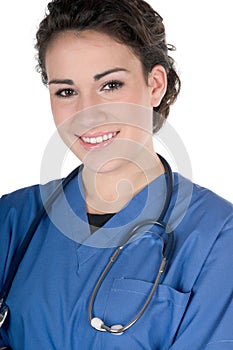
(101, 102)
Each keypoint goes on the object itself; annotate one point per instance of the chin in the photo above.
(110, 166)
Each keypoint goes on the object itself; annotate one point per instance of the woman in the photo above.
(111, 84)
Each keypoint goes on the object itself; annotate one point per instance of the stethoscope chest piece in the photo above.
(98, 324)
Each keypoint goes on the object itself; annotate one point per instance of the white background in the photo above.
(202, 116)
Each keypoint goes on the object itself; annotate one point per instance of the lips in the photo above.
(97, 140)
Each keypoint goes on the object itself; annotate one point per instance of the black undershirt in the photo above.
(98, 220)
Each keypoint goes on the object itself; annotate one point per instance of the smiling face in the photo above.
(100, 99)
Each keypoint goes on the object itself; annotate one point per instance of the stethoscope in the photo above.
(96, 322)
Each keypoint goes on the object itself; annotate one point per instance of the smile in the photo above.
(99, 139)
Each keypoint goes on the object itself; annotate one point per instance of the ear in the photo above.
(157, 81)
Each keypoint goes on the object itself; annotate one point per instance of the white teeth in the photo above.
(99, 139)
(93, 140)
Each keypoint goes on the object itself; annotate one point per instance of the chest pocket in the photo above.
(157, 326)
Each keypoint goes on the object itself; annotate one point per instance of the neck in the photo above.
(110, 191)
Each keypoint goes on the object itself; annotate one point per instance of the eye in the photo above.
(65, 93)
(112, 85)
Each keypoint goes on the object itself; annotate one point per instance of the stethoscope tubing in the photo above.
(98, 323)
(43, 211)
(112, 259)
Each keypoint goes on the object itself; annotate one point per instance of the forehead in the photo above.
(88, 36)
(88, 48)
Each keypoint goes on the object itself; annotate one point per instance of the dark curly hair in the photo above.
(131, 22)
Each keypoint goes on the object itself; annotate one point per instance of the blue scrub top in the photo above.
(192, 307)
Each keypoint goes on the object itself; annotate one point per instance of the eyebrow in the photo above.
(61, 81)
(109, 71)
(96, 77)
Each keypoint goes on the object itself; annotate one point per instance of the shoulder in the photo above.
(19, 208)
(202, 201)
(17, 211)
(34, 196)
(27, 199)
(199, 213)
(214, 209)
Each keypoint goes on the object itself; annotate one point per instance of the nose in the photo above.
(92, 117)
(88, 100)
(90, 113)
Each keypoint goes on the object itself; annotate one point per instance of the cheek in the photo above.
(54, 110)
(140, 93)
(139, 137)
(60, 114)
(58, 118)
